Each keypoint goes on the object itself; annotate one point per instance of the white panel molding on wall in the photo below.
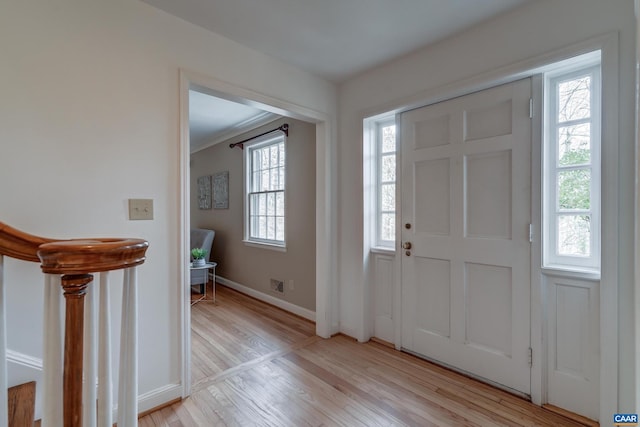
(384, 275)
(24, 360)
(573, 344)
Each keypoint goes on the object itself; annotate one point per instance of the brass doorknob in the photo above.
(406, 245)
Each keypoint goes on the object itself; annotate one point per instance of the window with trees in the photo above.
(386, 154)
(265, 191)
(572, 169)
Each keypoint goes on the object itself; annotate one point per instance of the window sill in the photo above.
(571, 273)
(261, 245)
(381, 250)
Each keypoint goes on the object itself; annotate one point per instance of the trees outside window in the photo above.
(572, 169)
(386, 158)
(265, 191)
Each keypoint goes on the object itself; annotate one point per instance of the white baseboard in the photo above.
(287, 306)
(160, 396)
(28, 368)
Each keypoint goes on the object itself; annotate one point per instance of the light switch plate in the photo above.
(140, 209)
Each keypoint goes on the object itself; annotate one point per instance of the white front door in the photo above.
(466, 209)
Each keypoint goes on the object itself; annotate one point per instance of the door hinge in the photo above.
(530, 356)
(530, 233)
(531, 108)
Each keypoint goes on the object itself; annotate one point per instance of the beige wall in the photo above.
(250, 266)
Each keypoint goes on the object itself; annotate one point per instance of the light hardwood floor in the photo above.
(256, 365)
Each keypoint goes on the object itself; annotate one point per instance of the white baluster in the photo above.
(90, 363)
(53, 352)
(105, 384)
(4, 412)
(128, 381)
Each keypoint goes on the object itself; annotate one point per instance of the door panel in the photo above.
(433, 218)
(466, 190)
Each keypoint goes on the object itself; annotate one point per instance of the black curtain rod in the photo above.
(284, 128)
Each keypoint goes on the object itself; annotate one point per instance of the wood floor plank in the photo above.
(423, 405)
(411, 387)
(21, 404)
(257, 365)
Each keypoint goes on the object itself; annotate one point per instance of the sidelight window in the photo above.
(386, 158)
(572, 168)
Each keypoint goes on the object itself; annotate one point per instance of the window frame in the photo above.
(249, 148)
(379, 183)
(551, 169)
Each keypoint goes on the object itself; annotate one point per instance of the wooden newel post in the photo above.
(75, 288)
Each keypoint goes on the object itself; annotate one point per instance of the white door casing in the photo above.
(466, 198)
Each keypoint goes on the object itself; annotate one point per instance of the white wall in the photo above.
(535, 29)
(89, 118)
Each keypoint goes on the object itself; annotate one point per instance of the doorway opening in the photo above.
(308, 297)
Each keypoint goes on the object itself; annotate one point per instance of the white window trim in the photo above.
(551, 259)
(247, 240)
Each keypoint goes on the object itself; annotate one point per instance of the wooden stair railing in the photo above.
(69, 266)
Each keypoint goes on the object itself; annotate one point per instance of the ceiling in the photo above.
(213, 120)
(334, 39)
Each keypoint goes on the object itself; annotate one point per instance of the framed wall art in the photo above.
(204, 192)
(221, 190)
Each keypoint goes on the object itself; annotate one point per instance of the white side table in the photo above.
(207, 266)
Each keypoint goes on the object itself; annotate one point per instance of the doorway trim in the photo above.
(326, 260)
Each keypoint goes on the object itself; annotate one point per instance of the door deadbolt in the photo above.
(406, 245)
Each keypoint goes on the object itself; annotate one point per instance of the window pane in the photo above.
(280, 178)
(264, 152)
(271, 228)
(388, 197)
(271, 204)
(273, 185)
(574, 145)
(262, 204)
(388, 227)
(574, 235)
(574, 99)
(388, 168)
(273, 156)
(280, 228)
(264, 180)
(255, 181)
(574, 189)
(255, 164)
(262, 228)
(280, 204)
(389, 139)
(281, 157)
(253, 224)
(253, 204)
